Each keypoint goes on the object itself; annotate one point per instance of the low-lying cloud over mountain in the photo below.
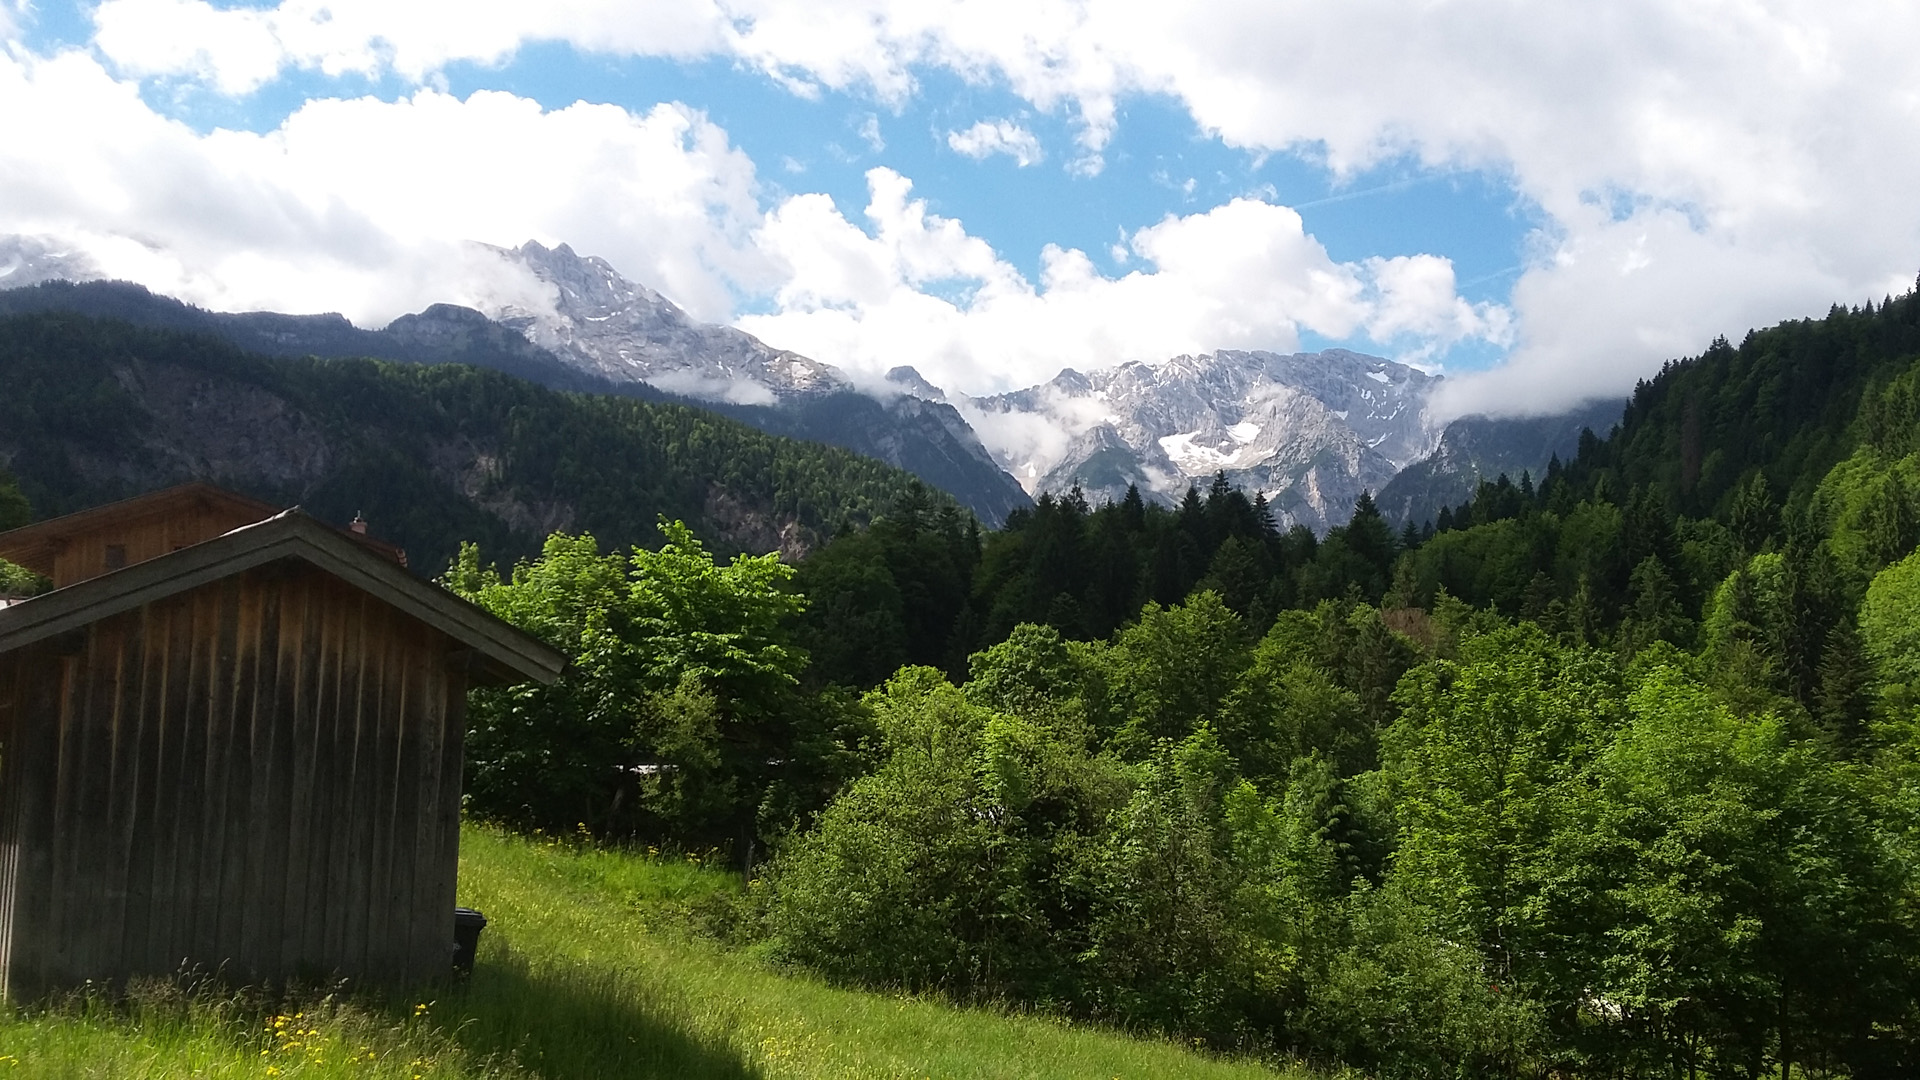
(1308, 430)
(581, 327)
(1659, 192)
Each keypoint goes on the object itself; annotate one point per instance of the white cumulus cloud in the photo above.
(914, 288)
(1702, 167)
(240, 48)
(13, 16)
(989, 137)
(368, 207)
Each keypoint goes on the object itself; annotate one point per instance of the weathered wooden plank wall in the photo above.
(262, 775)
(168, 529)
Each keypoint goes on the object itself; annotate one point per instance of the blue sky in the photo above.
(1540, 208)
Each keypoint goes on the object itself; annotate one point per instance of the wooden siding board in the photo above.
(272, 775)
(358, 820)
(224, 855)
(44, 675)
(85, 757)
(430, 731)
(190, 829)
(331, 704)
(411, 782)
(10, 711)
(343, 722)
(173, 788)
(439, 893)
(144, 732)
(262, 773)
(380, 808)
(301, 716)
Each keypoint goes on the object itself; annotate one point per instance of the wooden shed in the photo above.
(232, 747)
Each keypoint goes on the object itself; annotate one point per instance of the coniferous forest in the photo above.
(1609, 772)
(95, 410)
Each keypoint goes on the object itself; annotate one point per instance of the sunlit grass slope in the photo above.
(585, 973)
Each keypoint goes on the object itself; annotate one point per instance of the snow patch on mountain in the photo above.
(1311, 430)
(617, 329)
(29, 260)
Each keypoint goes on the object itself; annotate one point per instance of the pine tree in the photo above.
(1409, 537)
(1840, 706)
(1263, 517)
(1133, 511)
(1539, 597)
(1754, 516)
(1892, 527)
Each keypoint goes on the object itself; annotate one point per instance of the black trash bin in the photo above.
(467, 924)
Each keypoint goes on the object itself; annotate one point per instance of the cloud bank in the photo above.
(914, 288)
(366, 207)
(1701, 168)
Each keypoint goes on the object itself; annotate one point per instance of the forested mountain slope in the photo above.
(927, 438)
(442, 334)
(1782, 403)
(1611, 773)
(1476, 448)
(1578, 786)
(95, 410)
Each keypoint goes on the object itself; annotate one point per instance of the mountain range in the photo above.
(1308, 430)
(586, 338)
(1476, 448)
(1311, 431)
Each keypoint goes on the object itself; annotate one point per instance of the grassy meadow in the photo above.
(587, 970)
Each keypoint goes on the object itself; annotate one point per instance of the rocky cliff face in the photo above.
(1310, 430)
(612, 329)
(625, 332)
(29, 260)
(604, 335)
(1476, 448)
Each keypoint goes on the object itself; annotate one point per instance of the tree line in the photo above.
(95, 410)
(1611, 772)
(1596, 776)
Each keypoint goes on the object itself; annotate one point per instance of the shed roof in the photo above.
(504, 653)
(35, 546)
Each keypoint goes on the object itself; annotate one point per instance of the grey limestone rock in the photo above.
(1309, 430)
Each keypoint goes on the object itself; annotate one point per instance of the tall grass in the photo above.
(160, 1030)
(586, 972)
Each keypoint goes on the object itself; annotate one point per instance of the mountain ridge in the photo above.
(99, 409)
(1475, 448)
(928, 438)
(1310, 431)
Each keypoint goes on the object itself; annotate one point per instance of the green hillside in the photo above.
(1782, 404)
(95, 410)
(586, 972)
(1612, 776)
(1615, 775)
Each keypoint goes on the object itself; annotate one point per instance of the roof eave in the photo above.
(503, 652)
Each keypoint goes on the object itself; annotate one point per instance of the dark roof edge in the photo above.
(135, 506)
(507, 650)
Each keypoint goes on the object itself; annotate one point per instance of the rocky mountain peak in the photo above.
(29, 260)
(623, 331)
(1310, 430)
(909, 380)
